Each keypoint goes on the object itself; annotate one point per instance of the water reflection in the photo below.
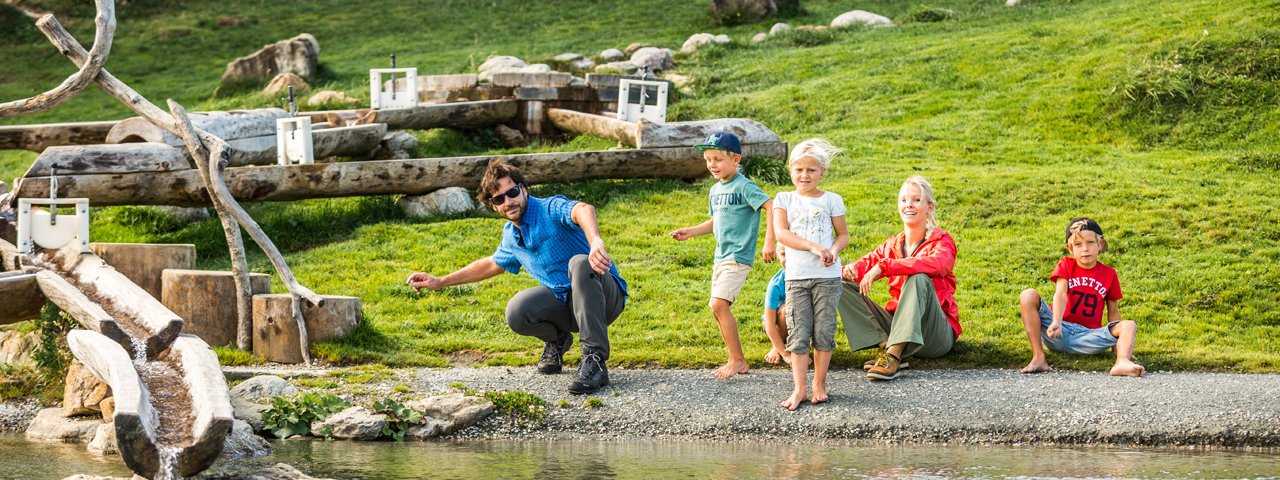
(583, 459)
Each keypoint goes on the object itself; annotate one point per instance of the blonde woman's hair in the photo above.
(816, 148)
(926, 192)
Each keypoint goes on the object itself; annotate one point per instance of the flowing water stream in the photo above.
(677, 459)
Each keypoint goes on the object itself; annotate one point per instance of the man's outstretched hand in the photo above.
(600, 261)
(420, 280)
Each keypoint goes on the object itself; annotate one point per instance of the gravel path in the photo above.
(16, 415)
(929, 406)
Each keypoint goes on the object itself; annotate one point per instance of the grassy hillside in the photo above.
(1157, 118)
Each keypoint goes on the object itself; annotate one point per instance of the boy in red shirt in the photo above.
(1074, 324)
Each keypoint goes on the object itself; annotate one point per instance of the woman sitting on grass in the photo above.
(921, 319)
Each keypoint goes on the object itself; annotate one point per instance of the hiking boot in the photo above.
(886, 367)
(553, 355)
(591, 375)
(872, 363)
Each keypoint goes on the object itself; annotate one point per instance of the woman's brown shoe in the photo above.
(886, 367)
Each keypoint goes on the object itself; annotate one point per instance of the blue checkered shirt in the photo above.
(543, 244)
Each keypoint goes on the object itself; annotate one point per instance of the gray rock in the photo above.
(104, 440)
(631, 49)
(1011, 3)
(262, 388)
(279, 471)
(613, 67)
(759, 37)
(331, 96)
(860, 17)
(249, 412)
(299, 55)
(17, 347)
(431, 429)
(242, 442)
(83, 392)
(697, 40)
(51, 426)
(499, 64)
(355, 423)
(656, 59)
(575, 62)
(612, 55)
(510, 136)
(779, 28)
(397, 145)
(536, 68)
(445, 201)
(458, 411)
(281, 83)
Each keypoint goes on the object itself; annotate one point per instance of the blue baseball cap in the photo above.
(726, 141)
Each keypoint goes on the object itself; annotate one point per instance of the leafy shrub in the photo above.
(593, 403)
(925, 14)
(399, 417)
(764, 169)
(293, 415)
(52, 357)
(520, 406)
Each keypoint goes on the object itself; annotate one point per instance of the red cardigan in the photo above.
(935, 258)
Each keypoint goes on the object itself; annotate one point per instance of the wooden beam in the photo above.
(354, 141)
(122, 158)
(478, 114)
(598, 125)
(227, 125)
(72, 301)
(37, 138)
(20, 297)
(660, 135)
(135, 418)
(382, 177)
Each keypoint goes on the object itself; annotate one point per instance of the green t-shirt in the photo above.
(735, 213)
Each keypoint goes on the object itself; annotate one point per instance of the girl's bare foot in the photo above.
(773, 356)
(786, 357)
(1036, 367)
(1126, 368)
(794, 402)
(730, 369)
(819, 394)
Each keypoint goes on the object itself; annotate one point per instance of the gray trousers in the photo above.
(919, 320)
(595, 301)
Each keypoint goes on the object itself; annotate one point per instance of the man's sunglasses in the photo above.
(501, 198)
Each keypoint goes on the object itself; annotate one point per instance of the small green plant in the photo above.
(520, 406)
(563, 404)
(399, 418)
(767, 170)
(52, 357)
(463, 389)
(229, 355)
(400, 388)
(290, 416)
(926, 14)
(593, 403)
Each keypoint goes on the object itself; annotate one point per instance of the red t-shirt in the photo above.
(1087, 290)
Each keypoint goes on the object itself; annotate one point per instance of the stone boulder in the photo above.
(627, 68)
(104, 440)
(355, 423)
(612, 55)
(432, 428)
(860, 17)
(17, 347)
(656, 59)
(499, 64)
(778, 28)
(445, 201)
(300, 55)
(697, 40)
(281, 83)
(759, 37)
(575, 62)
(242, 442)
(509, 136)
(51, 426)
(731, 12)
(397, 145)
(253, 396)
(108, 407)
(456, 410)
(330, 96)
(1011, 3)
(631, 49)
(83, 392)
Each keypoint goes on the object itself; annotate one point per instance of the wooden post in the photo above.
(144, 263)
(37, 138)
(20, 297)
(206, 301)
(275, 333)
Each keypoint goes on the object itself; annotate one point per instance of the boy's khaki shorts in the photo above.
(727, 279)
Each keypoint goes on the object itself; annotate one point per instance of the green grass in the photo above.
(1020, 117)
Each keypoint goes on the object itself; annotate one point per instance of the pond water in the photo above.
(677, 459)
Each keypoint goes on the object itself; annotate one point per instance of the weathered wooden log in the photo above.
(72, 301)
(206, 301)
(646, 134)
(226, 125)
(20, 297)
(10, 259)
(123, 158)
(353, 141)
(479, 114)
(211, 414)
(598, 125)
(134, 417)
(382, 177)
(145, 263)
(275, 334)
(37, 138)
(135, 312)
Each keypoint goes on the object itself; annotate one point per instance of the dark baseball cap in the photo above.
(726, 141)
(1083, 224)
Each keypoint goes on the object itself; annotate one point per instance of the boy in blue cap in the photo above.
(734, 206)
